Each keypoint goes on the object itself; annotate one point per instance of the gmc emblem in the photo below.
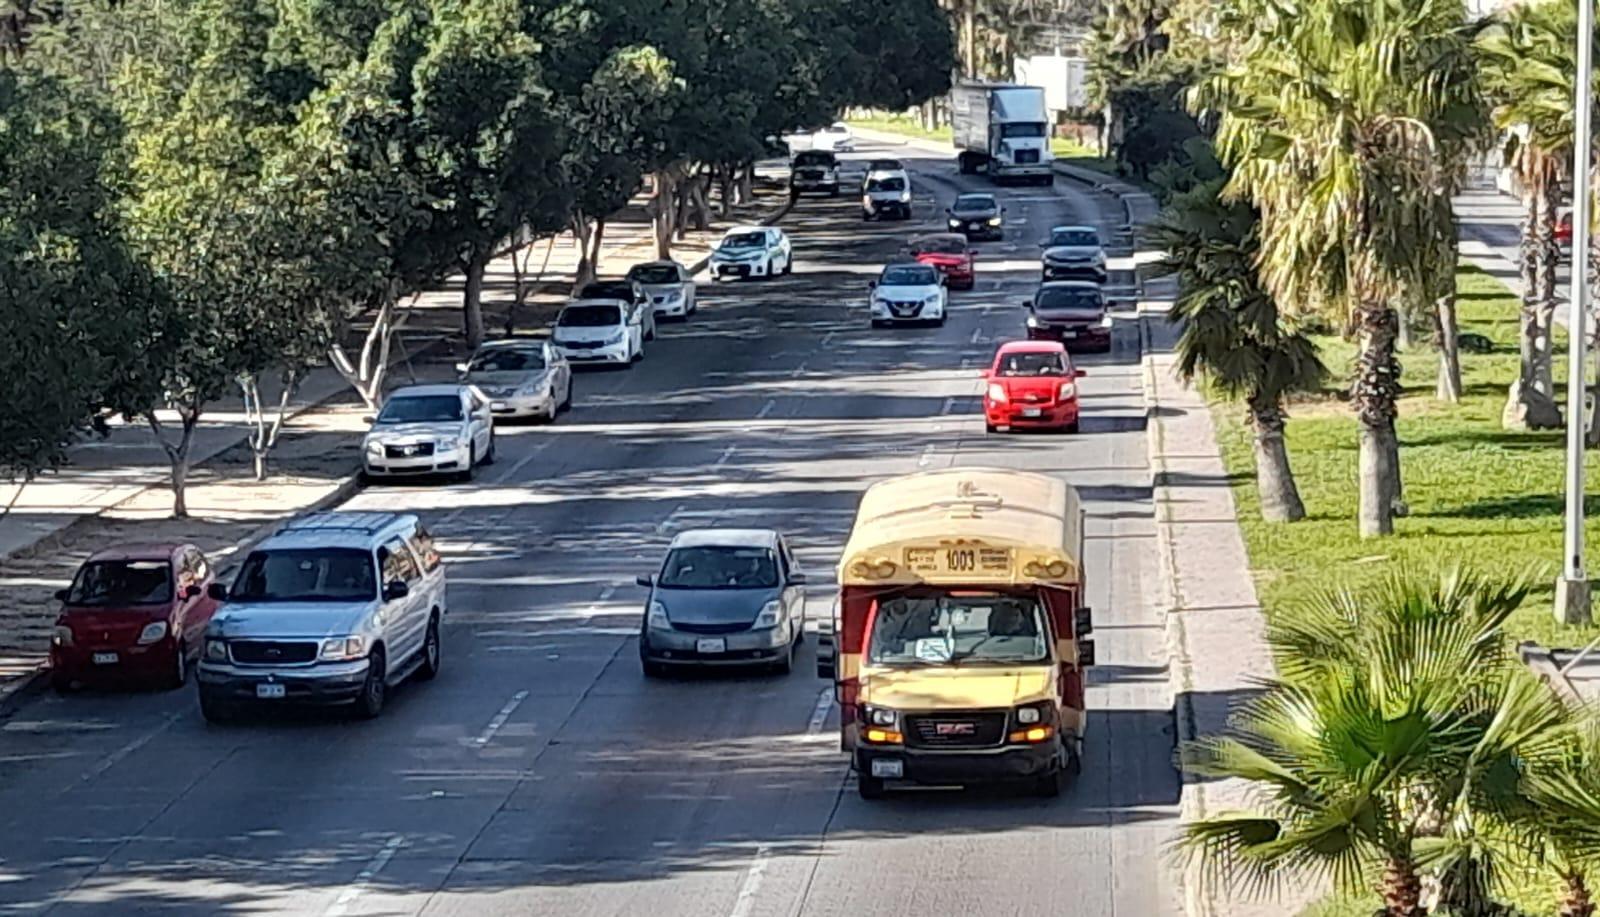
(954, 729)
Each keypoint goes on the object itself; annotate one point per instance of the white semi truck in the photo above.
(1003, 130)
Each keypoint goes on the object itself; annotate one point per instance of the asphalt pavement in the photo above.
(541, 773)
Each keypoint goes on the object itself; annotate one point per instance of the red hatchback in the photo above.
(137, 611)
(948, 252)
(1031, 384)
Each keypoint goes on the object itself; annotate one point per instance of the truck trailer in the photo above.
(1003, 130)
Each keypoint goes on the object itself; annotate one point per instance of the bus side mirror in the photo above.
(1082, 621)
(1085, 653)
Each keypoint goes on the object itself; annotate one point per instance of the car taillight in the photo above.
(997, 392)
(1068, 389)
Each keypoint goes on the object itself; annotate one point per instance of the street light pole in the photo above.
(1572, 589)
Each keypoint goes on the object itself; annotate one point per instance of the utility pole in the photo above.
(1572, 589)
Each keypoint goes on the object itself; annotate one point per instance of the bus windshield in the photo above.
(955, 630)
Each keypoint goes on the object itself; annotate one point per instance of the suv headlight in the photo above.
(994, 221)
(955, 223)
(657, 619)
(340, 649)
(771, 615)
(62, 636)
(1105, 321)
(1033, 321)
(152, 632)
(216, 650)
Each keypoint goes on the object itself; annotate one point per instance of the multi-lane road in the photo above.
(542, 773)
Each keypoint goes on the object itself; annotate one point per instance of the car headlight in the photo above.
(955, 223)
(152, 632)
(217, 650)
(931, 300)
(997, 392)
(1105, 321)
(446, 445)
(1068, 389)
(374, 448)
(616, 338)
(866, 200)
(674, 295)
(882, 716)
(771, 615)
(534, 386)
(1033, 321)
(905, 197)
(340, 649)
(994, 221)
(62, 636)
(1027, 716)
(657, 619)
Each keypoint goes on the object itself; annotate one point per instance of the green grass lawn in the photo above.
(1484, 496)
(1063, 147)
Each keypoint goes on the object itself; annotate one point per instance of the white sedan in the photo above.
(752, 251)
(667, 286)
(908, 293)
(599, 331)
(429, 429)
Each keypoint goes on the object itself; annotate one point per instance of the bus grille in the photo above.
(978, 729)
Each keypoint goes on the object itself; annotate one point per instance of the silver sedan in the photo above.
(520, 378)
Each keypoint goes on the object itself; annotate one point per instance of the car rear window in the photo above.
(589, 316)
(122, 582)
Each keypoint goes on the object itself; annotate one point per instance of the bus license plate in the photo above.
(888, 767)
(946, 560)
(269, 692)
(711, 646)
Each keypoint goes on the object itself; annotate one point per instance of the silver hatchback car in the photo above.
(731, 597)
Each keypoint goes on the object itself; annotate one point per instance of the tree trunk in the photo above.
(725, 187)
(582, 229)
(699, 201)
(747, 183)
(1449, 384)
(662, 212)
(264, 432)
(1575, 901)
(1280, 499)
(1401, 889)
(1376, 389)
(367, 374)
(1546, 254)
(472, 300)
(597, 241)
(178, 454)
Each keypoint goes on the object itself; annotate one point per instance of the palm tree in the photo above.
(1232, 332)
(1398, 721)
(1529, 56)
(1336, 122)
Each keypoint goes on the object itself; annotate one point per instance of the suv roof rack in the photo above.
(367, 523)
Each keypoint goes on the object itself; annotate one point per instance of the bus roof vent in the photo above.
(970, 502)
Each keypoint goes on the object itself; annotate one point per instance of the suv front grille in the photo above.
(271, 652)
(976, 729)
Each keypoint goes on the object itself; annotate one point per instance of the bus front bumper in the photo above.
(945, 767)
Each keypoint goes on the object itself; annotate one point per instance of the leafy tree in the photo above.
(1334, 126)
(1232, 331)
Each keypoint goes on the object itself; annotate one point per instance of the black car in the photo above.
(1072, 312)
(814, 170)
(624, 290)
(977, 216)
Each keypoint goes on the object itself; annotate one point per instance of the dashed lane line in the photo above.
(487, 735)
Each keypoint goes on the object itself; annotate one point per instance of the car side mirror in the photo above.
(973, 252)
(797, 578)
(645, 580)
(395, 589)
(1085, 653)
(947, 210)
(872, 284)
(985, 374)
(369, 418)
(1027, 304)
(1079, 373)
(1082, 621)
(218, 592)
(60, 594)
(191, 591)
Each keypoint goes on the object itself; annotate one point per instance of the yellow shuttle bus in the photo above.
(958, 644)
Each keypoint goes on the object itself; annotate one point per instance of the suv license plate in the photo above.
(1069, 334)
(888, 767)
(269, 692)
(711, 646)
(105, 658)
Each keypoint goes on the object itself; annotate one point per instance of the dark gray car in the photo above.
(977, 216)
(724, 597)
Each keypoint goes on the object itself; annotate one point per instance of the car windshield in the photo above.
(908, 275)
(893, 183)
(952, 245)
(1033, 364)
(421, 409)
(1025, 129)
(814, 158)
(1068, 299)
(958, 630)
(507, 360)
(306, 575)
(715, 567)
(655, 273)
(122, 582)
(970, 202)
(744, 240)
(622, 291)
(589, 317)
(1075, 237)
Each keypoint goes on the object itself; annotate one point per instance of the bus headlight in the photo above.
(882, 716)
(1027, 716)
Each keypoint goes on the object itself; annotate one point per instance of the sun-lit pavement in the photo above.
(541, 774)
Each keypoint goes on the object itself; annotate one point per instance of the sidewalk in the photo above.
(115, 490)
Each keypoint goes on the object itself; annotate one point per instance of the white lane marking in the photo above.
(364, 878)
(927, 456)
(819, 713)
(949, 405)
(977, 333)
(500, 718)
(117, 756)
(723, 458)
(752, 884)
(605, 596)
(766, 409)
(664, 524)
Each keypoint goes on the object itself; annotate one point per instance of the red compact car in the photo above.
(137, 611)
(1031, 384)
(948, 252)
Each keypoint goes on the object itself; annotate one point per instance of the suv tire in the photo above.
(431, 652)
(215, 710)
(870, 787)
(178, 675)
(374, 690)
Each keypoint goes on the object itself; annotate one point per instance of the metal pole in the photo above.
(1572, 591)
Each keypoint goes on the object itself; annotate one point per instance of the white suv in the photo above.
(333, 608)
